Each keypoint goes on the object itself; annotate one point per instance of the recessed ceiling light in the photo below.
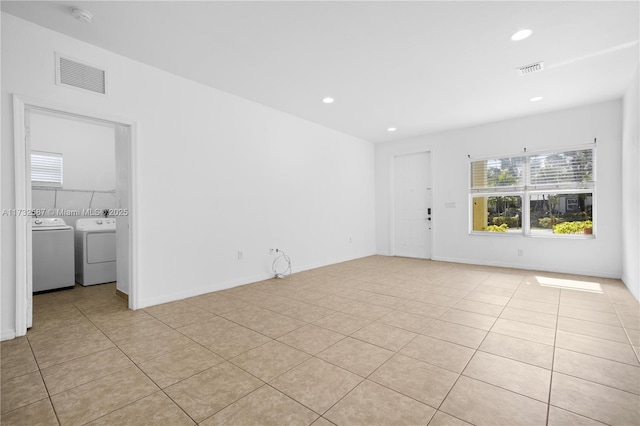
(536, 99)
(521, 35)
(82, 15)
(328, 100)
(391, 129)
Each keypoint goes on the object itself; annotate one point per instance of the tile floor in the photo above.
(375, 341)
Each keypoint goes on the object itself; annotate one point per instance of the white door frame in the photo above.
(22, 104)
(392, 198)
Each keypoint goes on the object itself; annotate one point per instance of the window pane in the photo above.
(562, 169)
(497, 214)
(46, 169)
(561, 214)
(497, 174)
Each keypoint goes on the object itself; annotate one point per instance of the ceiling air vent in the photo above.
(530, 69)
(81, 76)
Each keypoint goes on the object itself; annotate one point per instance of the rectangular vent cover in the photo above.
(530, 69)
(82, 76)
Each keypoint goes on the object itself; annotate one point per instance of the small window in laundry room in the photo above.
(46, 169)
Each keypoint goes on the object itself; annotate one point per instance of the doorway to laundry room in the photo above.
(78, 169)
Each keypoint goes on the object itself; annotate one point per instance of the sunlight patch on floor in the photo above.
(588, 286)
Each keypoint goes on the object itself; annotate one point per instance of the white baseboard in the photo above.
(633, 290)
(145, 303)
(329, 262)
(583, 272)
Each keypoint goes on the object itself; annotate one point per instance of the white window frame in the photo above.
(527, 190)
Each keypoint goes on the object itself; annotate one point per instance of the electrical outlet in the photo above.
(520, 252)
(271, 251)
(240, 255)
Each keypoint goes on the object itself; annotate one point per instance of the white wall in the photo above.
(631, 189)
(215, 173)
(88, 152)
(451, 241)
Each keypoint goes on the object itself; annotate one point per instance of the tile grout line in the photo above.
(255, 390)
(553, 358)
(271, 340)
(138, 368)
(247, 372)
(596, 356)
(474, 354)
(624, 328)
(55, 412)
(570, 375)
(143, 372)
(160, 389)
(49, 396)
(199, 372)
(369, 375)
(73, 303)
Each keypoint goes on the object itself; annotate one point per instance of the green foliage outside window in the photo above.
(572, 227)
(495, 228)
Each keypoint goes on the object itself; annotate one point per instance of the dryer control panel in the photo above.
(98, 224)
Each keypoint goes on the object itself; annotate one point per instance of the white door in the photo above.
(412, 205)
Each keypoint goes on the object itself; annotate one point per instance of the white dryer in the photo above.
(95, 250)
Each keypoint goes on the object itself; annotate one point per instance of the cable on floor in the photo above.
(281, 260)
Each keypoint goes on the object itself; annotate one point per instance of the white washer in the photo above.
(95, 251)
(52, 254)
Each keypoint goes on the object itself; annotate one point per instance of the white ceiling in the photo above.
(419, 66)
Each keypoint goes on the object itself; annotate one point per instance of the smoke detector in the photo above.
(531, 68)
(82, 15)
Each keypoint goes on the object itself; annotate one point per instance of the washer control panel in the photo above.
(48, 224)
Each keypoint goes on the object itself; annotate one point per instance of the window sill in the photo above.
(499, 234)
(535, 235)
(565, 237)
